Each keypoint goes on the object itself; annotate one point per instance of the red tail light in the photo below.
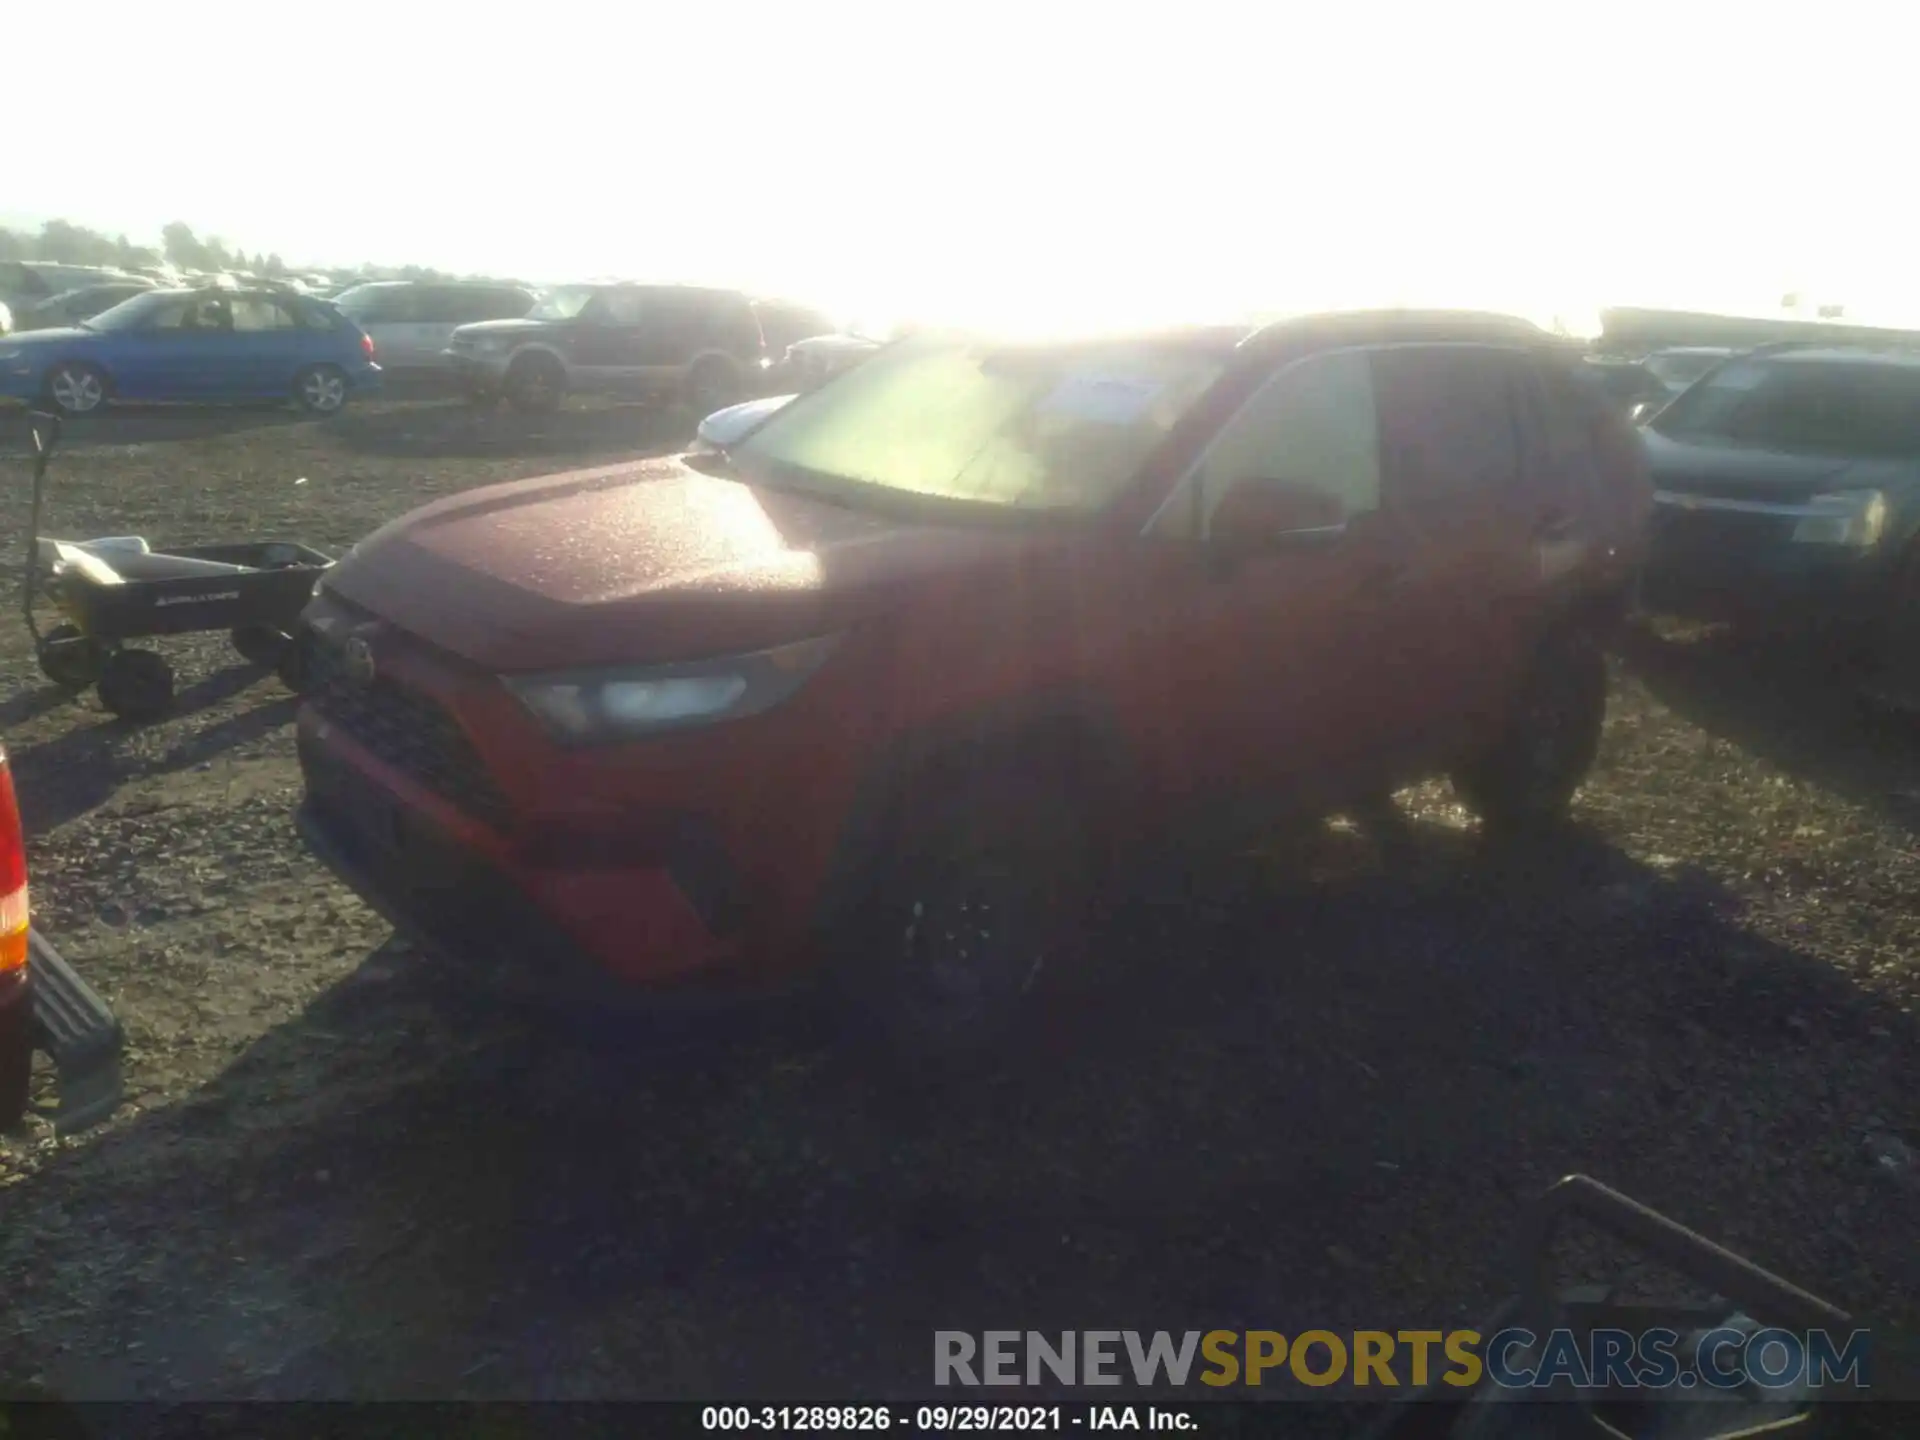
(13, 878)
(366, 344)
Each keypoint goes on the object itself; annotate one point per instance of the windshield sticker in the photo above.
(1102, 399)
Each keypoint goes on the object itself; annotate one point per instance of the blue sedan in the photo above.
(207, 345)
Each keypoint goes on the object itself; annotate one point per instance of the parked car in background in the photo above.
(700, 346)
(412, 321)
(882, 686)
(1669, 372)
(74, 306)
(214, 344)
(816, 360)
(27, 282)
(1788, 493)
(783, 323)
(1626, 382)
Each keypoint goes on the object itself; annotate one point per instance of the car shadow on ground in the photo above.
(66, 777)
(1311, 1082)
(459, 430)
(1793, 702)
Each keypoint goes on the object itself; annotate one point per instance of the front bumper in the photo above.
(1710, 563)
(647, 939)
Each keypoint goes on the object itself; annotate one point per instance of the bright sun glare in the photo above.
(1063, 164)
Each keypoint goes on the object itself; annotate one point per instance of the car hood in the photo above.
(513, 328)
(1739, 472)
(642, 564)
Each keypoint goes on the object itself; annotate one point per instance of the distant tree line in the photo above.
(61, 242)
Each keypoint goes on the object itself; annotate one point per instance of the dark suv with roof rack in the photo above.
(885, 685)
(706, 348)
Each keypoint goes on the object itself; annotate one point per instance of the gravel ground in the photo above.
(339, 1176)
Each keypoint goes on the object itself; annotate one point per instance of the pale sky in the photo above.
(989, 161)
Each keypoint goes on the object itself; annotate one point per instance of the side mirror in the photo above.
(1269, 514)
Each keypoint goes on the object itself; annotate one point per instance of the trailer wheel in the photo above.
(260, 645)
(70, 659)
(295, 665)
(137, 685)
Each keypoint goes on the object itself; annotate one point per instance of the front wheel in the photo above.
(977, 911)
(77, 388)
(536, 384)
(320, 389)
(1527, 780)
(137, 685)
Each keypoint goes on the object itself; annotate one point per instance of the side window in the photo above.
(254, 313)
(624, 307)
(501, 305)
(1313, 425)
(1447, 432)
(313, 315)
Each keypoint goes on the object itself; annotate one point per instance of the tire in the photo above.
(295, 663)
(137, 685)
(1527, 782)
(70, 659)
(536, 384)
(260, 645)
(321, 389)
(712, 384)
(1007, 860)
(77, 388)
(16, 1066)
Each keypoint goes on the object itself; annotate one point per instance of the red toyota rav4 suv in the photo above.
(880, 688)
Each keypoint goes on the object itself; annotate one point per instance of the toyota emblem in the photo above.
(357, 657)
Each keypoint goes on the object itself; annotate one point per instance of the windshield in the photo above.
(1865, 411)
(566, 303)
(1059, 429)
(131, 313)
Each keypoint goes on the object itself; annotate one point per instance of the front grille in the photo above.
(407, 730)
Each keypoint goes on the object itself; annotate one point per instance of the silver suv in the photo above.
(411, 321)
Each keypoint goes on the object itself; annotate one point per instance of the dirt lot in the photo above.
(1322, 1106)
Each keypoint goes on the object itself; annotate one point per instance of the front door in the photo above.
(1253, 662)
(608, 340)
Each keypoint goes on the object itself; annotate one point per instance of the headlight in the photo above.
(1857, 519)
(596, 706)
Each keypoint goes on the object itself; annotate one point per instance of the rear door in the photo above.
(266, 350)
(1459, 579)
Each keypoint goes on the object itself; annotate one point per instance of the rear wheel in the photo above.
(712, 384)
(77, 388)
(536, 384)
(1527, 780)
(320, 389)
